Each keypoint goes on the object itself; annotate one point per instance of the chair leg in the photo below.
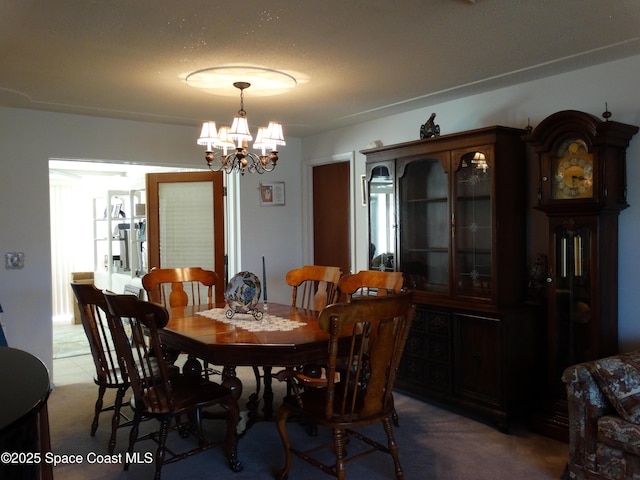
(97, 409)
(231, 437)
(115, 420)
(133, 436)
(161, 451)
(393, 447)
(339, 444)
(281, 424)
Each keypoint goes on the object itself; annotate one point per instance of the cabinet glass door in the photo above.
(382, 219)
(472, 226)
(424, 225)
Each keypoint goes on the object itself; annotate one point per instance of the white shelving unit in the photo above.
(119, 232)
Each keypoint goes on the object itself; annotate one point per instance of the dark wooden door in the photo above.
(331, 216)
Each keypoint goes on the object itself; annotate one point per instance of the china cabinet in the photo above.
(449, 212)
(582, 189)
(119, 229)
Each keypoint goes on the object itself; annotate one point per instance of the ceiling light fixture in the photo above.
(240, 159)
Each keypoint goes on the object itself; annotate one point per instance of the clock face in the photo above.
(572, 171)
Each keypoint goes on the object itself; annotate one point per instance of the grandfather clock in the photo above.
(582, 189)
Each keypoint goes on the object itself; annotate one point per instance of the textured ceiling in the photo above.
(354, 60)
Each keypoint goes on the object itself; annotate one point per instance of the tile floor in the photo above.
(69, 370)
(69, 341)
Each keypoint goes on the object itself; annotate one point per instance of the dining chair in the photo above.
(318, 287)
(180, 287)
(370, 282)
(313, 286)
(93, 314)
(366, 340)
(135, 325)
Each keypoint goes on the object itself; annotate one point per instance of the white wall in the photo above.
(587, 90)
(29, 138)
(274, 232)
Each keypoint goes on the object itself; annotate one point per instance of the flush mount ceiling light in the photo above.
(219, 80)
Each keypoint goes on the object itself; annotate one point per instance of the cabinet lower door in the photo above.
(478, 350)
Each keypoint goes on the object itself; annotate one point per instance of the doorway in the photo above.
(73, 185)
(332, 215)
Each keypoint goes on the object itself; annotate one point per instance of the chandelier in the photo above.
(227, 146)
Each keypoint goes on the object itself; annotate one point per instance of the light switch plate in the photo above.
(14, 260)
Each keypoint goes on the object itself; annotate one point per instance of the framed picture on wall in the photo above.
(271, 194)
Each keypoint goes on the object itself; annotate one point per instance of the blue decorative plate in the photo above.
(243, 294)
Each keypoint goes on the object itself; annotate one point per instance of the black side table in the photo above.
(24, 421)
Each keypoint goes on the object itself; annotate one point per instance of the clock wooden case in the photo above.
(582, 189)
(582, 162)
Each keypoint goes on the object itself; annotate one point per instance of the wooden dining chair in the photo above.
(93, 314)
(180, 287)
(157, 394)
(313, 286)
(370, 282)
(366, 340)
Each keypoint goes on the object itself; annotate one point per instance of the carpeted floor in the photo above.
(434, 444)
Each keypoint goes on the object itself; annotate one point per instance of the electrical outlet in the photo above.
(14, 260)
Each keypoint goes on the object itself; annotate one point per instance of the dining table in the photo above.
(284, 336)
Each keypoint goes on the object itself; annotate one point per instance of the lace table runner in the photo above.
(269, 323)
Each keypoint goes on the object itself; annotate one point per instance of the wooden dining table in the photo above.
(243, 342)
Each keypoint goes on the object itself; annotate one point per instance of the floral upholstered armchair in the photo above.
(604, 415)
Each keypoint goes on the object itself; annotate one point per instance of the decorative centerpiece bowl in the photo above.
(243, 294)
